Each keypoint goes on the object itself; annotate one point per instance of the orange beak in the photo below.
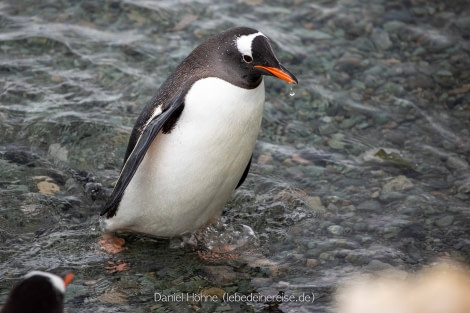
(68, 278)
(279, 73)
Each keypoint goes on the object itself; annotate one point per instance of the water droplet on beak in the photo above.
(291, 92)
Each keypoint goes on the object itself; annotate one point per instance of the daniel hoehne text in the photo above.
(249, 298)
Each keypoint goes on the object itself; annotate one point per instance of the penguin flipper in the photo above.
(245, 173)
(134, 159)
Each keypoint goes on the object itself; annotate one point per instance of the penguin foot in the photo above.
(111, 244)
(116, 266)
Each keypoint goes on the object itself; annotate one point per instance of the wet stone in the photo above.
(369, 205)
(372, 81)
(393, 26)
(18, 188)
(317, 35)
(376, 265)
(463, 23)
(21, 157)
(437, 42)
(315, 203)
(360, 226)
(463, 186)
(327, 129)
(410, 210)
(381, 39)
(457, 163)
(420, 81)
(398, 15)
(336, 142)
(399, 183)
(348, 63)
(390, 232)
(389, 196)
(324, 256)
(445, 221)
(311, 263)
(224, 274)
(336, 230)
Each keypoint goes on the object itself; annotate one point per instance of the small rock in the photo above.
(376, 265)
(56, 79)
(300, 160)
(18, 188)
(416, 231)
(445, 221)
(420, 81)
(113, 297)
(381, 39)
(315, 203)
(326, 129)
(398, 16)
(265, 159)
(463, 186)
(336, 230)
(436, 42)
(336, 142)
(325, 256)
(58, 152)
(348, 63)
(463, 23)
(46, 185)
(186, 20)
(312, 262)
(390, 232)
(318, 35)
(224, 274)
(389, 196)
(393, 25)
(399, 183)
(456, 163)
(375, 194)
(369, 205)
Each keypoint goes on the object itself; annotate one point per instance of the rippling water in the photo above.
(364, 168)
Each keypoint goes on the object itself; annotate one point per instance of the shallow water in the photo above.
(364, 168)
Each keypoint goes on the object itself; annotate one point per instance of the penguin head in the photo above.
(39, 292)
(242, 55)
(258, 58)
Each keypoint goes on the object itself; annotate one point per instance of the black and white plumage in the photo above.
(192, 144)
(39, 292)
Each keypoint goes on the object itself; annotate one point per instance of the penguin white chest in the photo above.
(188, 175)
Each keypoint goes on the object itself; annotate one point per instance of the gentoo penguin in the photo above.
(191, 146)
(39, 292)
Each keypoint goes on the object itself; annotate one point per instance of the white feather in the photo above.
(244, 43)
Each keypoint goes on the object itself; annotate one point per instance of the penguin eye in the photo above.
(247, 58)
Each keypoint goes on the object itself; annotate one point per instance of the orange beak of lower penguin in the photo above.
(68, 278)
(279, 73)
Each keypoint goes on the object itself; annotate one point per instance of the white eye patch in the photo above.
(244, 43)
